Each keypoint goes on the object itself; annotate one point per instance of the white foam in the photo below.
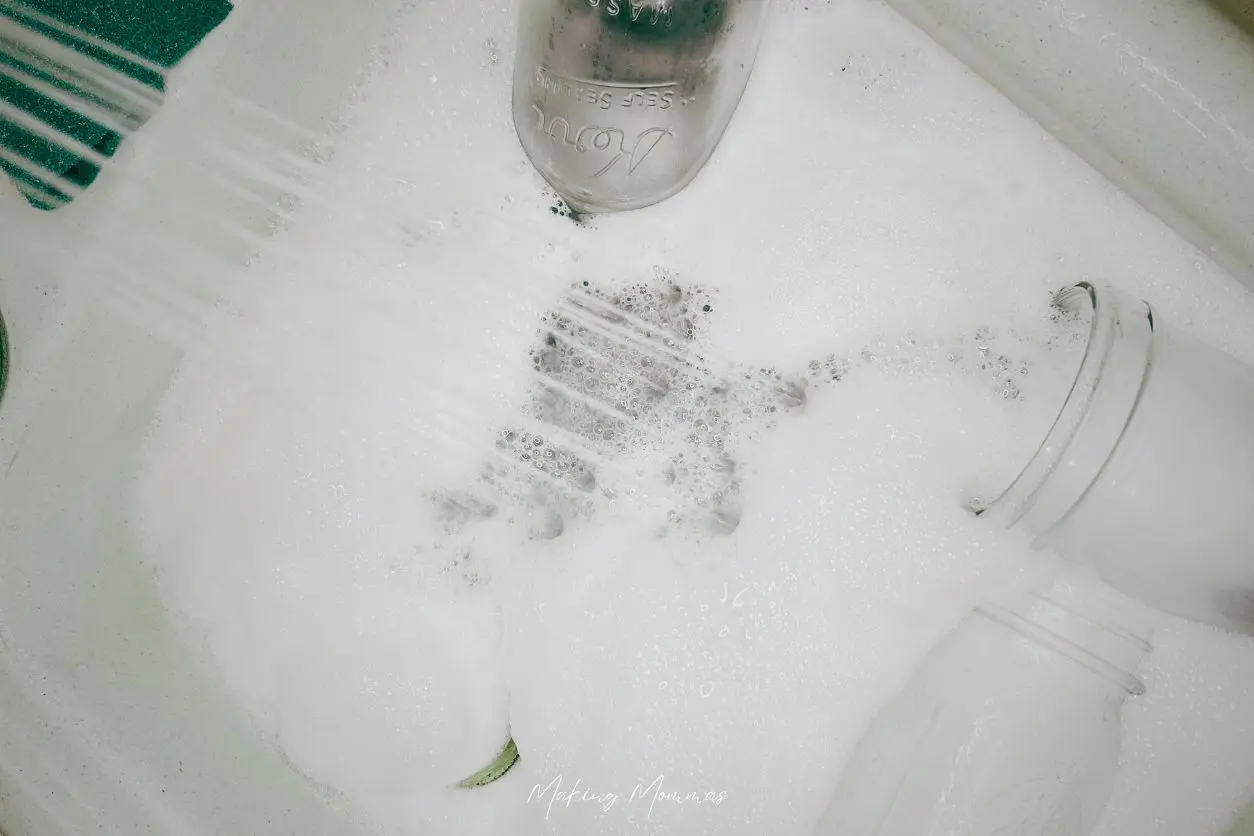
(1186, 765)
(887, 206)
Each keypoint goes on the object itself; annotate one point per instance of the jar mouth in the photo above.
(1093, 416)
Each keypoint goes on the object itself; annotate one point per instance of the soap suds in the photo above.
(719, 574)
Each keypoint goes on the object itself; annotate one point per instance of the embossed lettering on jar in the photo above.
(619, 104)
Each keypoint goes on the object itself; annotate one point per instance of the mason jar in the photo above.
(1010, 725)
(1148, 469)
(619, 103)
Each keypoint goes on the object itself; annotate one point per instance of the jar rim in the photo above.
(1109, 666)
(1093, 416)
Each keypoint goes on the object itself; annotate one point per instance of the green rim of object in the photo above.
(494, 771)
(4, 357)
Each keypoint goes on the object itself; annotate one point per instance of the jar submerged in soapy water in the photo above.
(1146, 470)
(619, 103)
(1010, 725)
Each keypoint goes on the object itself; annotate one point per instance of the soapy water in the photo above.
(620, 378)
(752, 523)
(675, 461)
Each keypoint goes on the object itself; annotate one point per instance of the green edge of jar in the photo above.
(4, 357)
(503, 763)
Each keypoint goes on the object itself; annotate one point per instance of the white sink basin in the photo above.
(109, 721)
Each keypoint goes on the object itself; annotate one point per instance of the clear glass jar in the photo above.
(1148, 470)
(619, 103)
(1010, 725)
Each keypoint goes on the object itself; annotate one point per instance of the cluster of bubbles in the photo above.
(558, 206)
(1000, 358)
(624, 405)
(621, 387)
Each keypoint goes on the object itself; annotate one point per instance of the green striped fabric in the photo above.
(162, 32)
